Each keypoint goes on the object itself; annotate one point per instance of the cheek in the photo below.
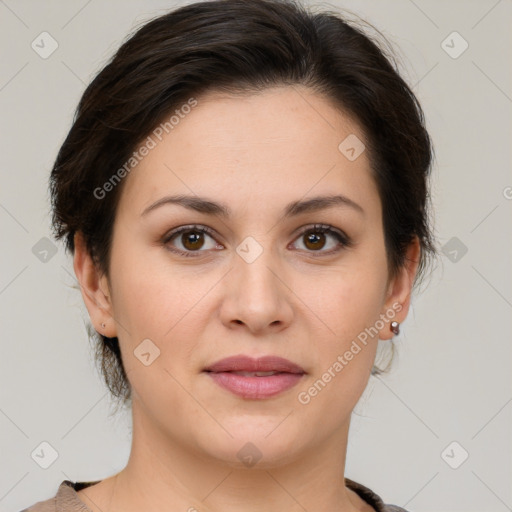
(151, 293)
(153, 301)
(162, 319)
(353, 344)
(348, 303)
(346, 353)
(347, 299)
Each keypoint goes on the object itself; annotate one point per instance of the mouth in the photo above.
(248, 364)
(255, 374)
(255, 379)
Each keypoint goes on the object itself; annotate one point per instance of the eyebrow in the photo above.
(209, 207)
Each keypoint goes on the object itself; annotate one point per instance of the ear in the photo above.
(399, 290)
(94, 288)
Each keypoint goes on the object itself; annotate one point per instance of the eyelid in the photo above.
(190, 227)
(325, 228)
(344, 240)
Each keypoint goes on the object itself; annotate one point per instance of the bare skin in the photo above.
(306, 303)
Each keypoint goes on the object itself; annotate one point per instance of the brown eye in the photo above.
(188, 240)
(192, 240)
(314, 241)
(316, 238)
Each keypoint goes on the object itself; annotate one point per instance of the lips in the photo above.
(248, 364)
(255, 378)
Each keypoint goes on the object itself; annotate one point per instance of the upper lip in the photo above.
(242, 363)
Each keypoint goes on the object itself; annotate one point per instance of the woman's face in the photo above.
(262, 282)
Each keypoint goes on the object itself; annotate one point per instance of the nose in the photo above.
(256, 296)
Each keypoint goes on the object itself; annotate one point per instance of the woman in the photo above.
(244, 191)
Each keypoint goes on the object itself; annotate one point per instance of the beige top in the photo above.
(67, 500)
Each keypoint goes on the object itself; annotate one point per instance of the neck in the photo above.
(163, 474)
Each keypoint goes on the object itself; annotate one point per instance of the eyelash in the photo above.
(344, 240)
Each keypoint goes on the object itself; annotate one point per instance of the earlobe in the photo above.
(399, 291)
(94, 288)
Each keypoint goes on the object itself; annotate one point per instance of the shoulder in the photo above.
(372, 498)
(65, 500)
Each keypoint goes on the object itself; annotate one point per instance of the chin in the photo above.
(256, 444)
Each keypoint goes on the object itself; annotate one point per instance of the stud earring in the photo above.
(395, 327)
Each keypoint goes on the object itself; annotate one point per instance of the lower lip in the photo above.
(255, 387)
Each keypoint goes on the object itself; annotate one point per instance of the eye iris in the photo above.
(314, 239)
(193, 240)
(192, 237)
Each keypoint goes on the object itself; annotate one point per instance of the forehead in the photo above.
(278, 145)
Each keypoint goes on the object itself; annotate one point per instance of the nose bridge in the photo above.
(254, 260)
(257, 297)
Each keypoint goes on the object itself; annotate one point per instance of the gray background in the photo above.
(451, 380)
